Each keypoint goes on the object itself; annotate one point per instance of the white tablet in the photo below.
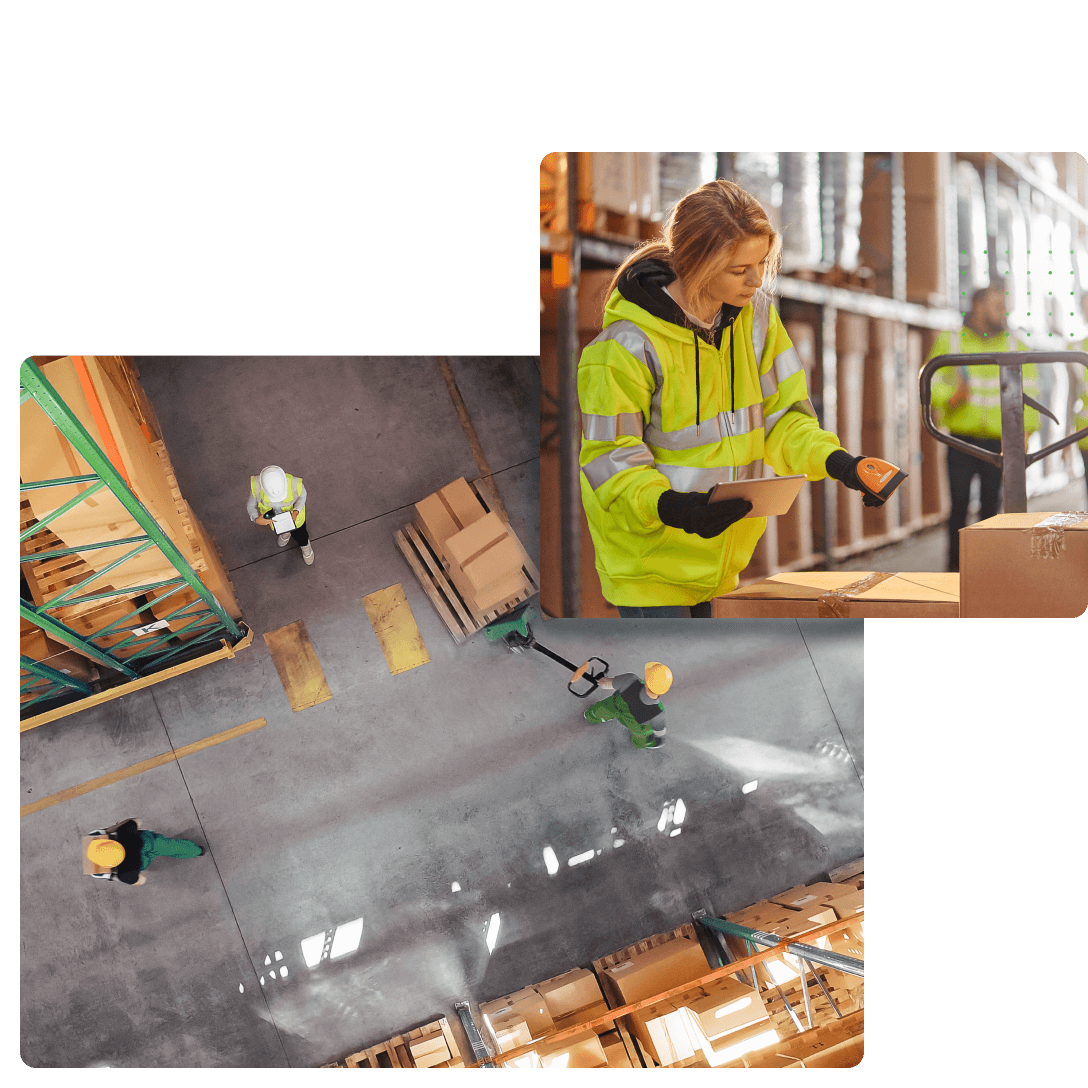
(769, 497)
(283, 523)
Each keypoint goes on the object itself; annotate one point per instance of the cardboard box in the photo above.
(582, 1051)
(430, 1050)
(446, 512)
(806, 895)
(571, 993)
(728, 1006)
(485, 561)
(764, 915)
(615, 1051)
(658, 969)
(1025, 565)
(847, 904)
(526, 1005)
(844, 594)
(510, 1033)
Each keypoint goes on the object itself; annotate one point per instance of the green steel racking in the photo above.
(142, 652)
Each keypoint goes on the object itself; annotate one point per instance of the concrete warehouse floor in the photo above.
(377, 802)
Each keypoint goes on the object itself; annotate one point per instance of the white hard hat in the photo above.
(274, 482)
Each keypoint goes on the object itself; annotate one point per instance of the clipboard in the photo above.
(283, 523)
(769, 496)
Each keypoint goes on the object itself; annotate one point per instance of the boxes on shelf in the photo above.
(1033, 564)
(806, 895)
(432, 1046)
(706, 1027)
(572, 997)
(844, 594)
(644, 969)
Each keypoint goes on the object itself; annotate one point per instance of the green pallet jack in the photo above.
(514, 631)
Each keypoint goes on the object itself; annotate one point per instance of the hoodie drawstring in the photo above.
(695, 337)
(732, 397)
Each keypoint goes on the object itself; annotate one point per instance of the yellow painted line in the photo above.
(391, 617)
(139, 768)
(296, 662)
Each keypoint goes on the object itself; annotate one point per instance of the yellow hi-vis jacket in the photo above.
(264, 503)
(980, 415)
(637, 392)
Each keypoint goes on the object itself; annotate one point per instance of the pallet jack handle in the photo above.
(1013, 459)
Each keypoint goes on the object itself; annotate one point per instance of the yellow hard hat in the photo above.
(658, 677)
(106, 853)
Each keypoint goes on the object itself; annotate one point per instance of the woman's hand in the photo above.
(296, 514)
(262, 521)
(693, 512)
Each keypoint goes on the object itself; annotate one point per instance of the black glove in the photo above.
(844, 468)
(693, 512)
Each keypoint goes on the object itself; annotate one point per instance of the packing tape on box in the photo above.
(1048, 537)
(836, 604)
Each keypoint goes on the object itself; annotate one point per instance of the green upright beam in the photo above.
(55, 602)
(835, 960)
(65, 421)
(65, 634)
(40, 485)
(38, 668)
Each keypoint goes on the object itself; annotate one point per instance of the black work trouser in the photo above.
(962, 468)
(300, 533)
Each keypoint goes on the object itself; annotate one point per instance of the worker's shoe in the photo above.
(660, 731)
(307, 554)
(652, 742)
(282, 539)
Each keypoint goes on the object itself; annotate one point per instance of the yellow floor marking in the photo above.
(391, 617)
(296, 662)
(139, 768)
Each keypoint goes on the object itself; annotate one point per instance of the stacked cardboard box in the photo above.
(432, 1046)
(479, 552)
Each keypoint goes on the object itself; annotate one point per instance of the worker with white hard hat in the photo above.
(274, 492)
(636, 703)
(126, 850)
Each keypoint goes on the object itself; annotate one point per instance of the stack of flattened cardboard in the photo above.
(844, 595)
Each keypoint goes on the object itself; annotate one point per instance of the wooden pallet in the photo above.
(461, 617)
(395, 1053)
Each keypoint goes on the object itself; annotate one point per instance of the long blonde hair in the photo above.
(700, 235)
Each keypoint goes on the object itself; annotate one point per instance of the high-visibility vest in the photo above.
(645, 431)
(264, 503)
(980, 415)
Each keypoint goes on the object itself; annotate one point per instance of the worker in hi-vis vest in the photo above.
(692, 382)
(636, 703)
(1080, 376)
(273, 492)
(126, 850)
(967, 400)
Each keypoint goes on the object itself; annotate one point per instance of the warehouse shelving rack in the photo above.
(140, 652)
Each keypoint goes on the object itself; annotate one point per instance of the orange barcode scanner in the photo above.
(879, 478)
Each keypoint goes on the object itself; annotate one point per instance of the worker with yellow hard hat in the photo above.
(636, 703)
(126, 850)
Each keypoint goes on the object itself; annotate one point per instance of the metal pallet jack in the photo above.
(1013, 460)
(515, 632)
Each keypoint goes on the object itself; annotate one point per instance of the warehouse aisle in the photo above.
(422, 802)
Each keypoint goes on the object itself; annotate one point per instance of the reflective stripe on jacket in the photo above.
(265, 504)
(980, 415)
(644, 433)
